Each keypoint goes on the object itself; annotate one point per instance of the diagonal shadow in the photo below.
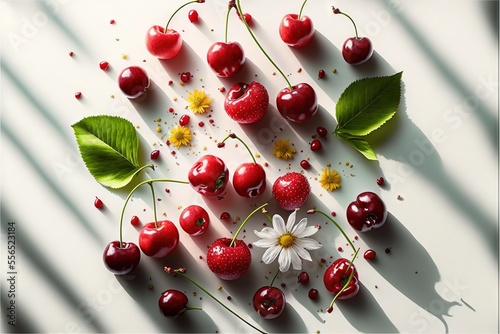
(46, 268)
(23, 322)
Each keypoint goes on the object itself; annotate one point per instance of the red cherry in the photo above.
(155, 154)
(163, 44)
(305, 164)
(369, 254)
(158, 241)
(122, 258)
(246, 103)
(321, 131)
(367, 212)
(104, 65)
(229, 263)
(356, 51)
(303, 278)
(185, 77)
(193, 16)
(209, 176)
(269, 302)
(248, 18)
(134, 221)
(313, 294)
(299, 104)
(225, 59)
(315, 145)
(336, 277)
(194, 220)
(291, 190)
(249, 180)
(296, 32)
(98, 203)
(184, 120)
(133, 81)
(172, 303)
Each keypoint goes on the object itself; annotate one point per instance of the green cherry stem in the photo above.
(178, 9)
(240, 11)
(301, 8)
(227, 22)
(244, 222)
(182, 272)
(337, 11)
(232, 135)
(346, 283)
(132, 192)
(312, 211)
(274, 278)
(154, 203)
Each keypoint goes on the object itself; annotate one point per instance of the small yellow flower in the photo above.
(330, 180)
(180, 135)
(283, 149)
(198, 101)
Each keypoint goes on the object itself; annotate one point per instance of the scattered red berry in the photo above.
(193, 16)
(369, 254)
(170, 82)
(313, 294)
(155, 154)
(225, 215)
(185, 77)
(329, 309)
(333, 213)
(200, 124)
(98, 203)
(111, 21)
(78, 95)
(340, 249)
(380, 181)
(321, 131)
(71, 53)
(315, 145)
(247, 17)
(134, 221)
(305, 164)
(303, 278)
(321, 74)
(222, 89)
(184, 120)
(387, 250)
(104, 65)
(170, 109)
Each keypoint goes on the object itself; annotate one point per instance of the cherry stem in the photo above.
(232, 135)
(130, 195)
(348, 280)
(154, 203)
(240, 11)
(182, 273)
(337, 11)
(178, 9)
(301, 8)
(227, 23)
(274, 278)
(336, 224)
(244, 222)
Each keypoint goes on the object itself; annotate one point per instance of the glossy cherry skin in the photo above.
(367, 212)
(357, 50)
(269, 302)
(296, 32)
(161, 44)
(229, 263)
(209, 176)
(158, 241)
(194, 220)
(172, 303)
(337, 275)
(249, 180)
(246, 103)
(226, 59)
(299, 104)
(133, 81)
(121, 260)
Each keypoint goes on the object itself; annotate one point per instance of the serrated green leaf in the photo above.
(368, 103)
(109, 147)
(360, 144)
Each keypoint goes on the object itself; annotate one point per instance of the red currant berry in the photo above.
(104, 65)
(112, 21)
(155, 154)
(193, 16)
(369, 254)
(225, 215)
(303, 278)
(321, 131)
(184, 120)
(200, 124)
(313, 294)
(78, 95)
(305, 164)
(247, 17)
(71, 53)
(185, 77)
(134, 221)
(315, 145)
(98, 203)
(321, 74)
(380, 181)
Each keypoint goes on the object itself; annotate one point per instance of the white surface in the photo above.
(446, 228)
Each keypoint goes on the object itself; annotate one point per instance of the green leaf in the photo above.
(109, 147)
(359, 144)
(368, 103)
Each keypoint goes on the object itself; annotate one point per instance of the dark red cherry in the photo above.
(173, 303)
(269, 302)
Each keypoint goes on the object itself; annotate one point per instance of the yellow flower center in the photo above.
(179, 135)
(286, 240)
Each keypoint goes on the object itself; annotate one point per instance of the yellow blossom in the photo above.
(198, 101)
(283, 149)
(180, 135)
(330, 180)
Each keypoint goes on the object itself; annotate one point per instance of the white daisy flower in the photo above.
(290, 243)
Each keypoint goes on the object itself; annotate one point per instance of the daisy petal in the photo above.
(284, 259)
(267, 233)
(279, 224)
(265, 243)
(308, 243)
(270, 254)
(299, 228)
(302, 253)
(291, 221)
(296, 261)
(307, 232)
